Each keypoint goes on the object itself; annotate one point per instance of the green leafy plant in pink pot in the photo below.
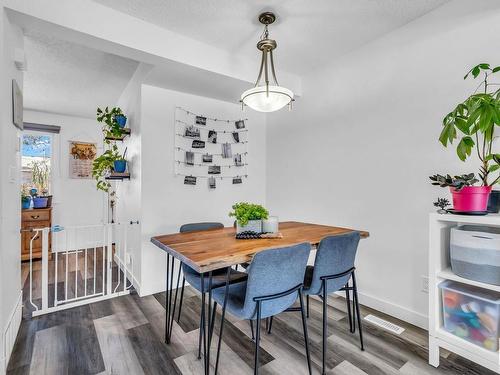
(474, 122)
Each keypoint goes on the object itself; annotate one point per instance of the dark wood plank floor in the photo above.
(125, 336)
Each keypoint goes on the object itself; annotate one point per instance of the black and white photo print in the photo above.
(207, 158)
(212, 136)
(226, 151)
(236, 137)
(200, 120)
(237, 180)
(190, 180)
(214, 169)
(211, 182)
(192, 132)
(240, 124)
(189, 158)
(198, 144)
(237, 160)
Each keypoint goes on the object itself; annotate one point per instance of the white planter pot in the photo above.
(270, 225)
(252, 225)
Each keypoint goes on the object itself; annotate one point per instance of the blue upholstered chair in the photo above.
(194, 278)
(333, 270)
(275, 280)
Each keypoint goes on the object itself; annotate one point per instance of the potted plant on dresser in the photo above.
(474, 121)
(25, 197)
(249, 217)
(40, 175)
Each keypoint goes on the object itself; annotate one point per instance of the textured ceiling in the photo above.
(71, 79)
(309, 33)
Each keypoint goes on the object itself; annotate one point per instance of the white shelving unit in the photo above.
(440, 270)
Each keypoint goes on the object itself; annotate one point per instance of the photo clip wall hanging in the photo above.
(210, 149)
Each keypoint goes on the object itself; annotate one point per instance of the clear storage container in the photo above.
(475, 253)
(471, 313)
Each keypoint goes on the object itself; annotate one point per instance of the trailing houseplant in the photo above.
(248, 216)
(113, 121)
(474, 121)
(120, 164)
(103, 165)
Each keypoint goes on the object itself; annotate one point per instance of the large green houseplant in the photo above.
(474, 121)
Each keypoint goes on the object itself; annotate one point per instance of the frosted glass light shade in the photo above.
(258, 99)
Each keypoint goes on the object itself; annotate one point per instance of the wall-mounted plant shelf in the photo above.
(126, 133)
(118, 176)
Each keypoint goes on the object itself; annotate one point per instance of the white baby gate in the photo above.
(79, 265)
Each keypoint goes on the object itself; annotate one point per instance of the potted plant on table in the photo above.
(474, 121)
(248, 216)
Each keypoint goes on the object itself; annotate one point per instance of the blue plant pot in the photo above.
(33, 192)
(40, 202)
(25, 203)
(121, 120)
(120, 166)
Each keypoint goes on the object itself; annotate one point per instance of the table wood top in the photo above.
(213, 249)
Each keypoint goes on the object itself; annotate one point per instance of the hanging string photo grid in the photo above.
(209, 149)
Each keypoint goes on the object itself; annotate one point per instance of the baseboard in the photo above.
(10, 332)
(125, 268)
(392, 309)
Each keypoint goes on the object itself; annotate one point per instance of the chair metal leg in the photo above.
(182, 298)
(307, 302)
(359, 318)
(257, 341)
(226, 293)
(202, 326)
(325, 327)
(348, 305)
(306, 336)
(251, 328)
(212, 321)
(270, 325)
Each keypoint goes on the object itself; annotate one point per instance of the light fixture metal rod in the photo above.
(266, 73)
(261, 68)
(272, 68)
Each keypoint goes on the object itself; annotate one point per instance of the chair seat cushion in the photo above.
(235, 300)
(218, 277)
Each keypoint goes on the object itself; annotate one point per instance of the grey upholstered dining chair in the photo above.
(275, 280)
(332, 271)
(194, 278)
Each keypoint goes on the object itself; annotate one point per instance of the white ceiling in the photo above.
(309, 33)
(70, 79)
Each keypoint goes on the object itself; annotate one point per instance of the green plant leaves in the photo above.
(464, 148)
(243, 212)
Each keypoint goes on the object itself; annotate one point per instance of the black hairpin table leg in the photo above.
(169, 295)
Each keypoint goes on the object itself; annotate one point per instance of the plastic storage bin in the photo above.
(475, 253)
(471, 313)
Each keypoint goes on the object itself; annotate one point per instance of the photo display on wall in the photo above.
(211, 148)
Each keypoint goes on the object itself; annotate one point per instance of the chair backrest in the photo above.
(191, 227)
(335, 254)
(275, 271)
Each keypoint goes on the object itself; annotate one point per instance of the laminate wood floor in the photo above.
(124, 335)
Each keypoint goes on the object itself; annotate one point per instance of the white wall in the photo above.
(75, 201)
(166, 202)
(358, 149)
(10, 223)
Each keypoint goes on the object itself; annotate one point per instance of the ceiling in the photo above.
(309, 33)
(71, 79)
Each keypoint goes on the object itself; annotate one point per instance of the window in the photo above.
(36, 162)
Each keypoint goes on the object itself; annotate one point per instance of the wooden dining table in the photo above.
(211, 250)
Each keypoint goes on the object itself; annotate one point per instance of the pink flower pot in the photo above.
(471, 198)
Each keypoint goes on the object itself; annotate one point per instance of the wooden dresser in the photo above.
(31, 219)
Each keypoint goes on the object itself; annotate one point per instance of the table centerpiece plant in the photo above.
(474, 121)
(248, 216)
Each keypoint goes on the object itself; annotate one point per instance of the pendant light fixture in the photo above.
(267, 96)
